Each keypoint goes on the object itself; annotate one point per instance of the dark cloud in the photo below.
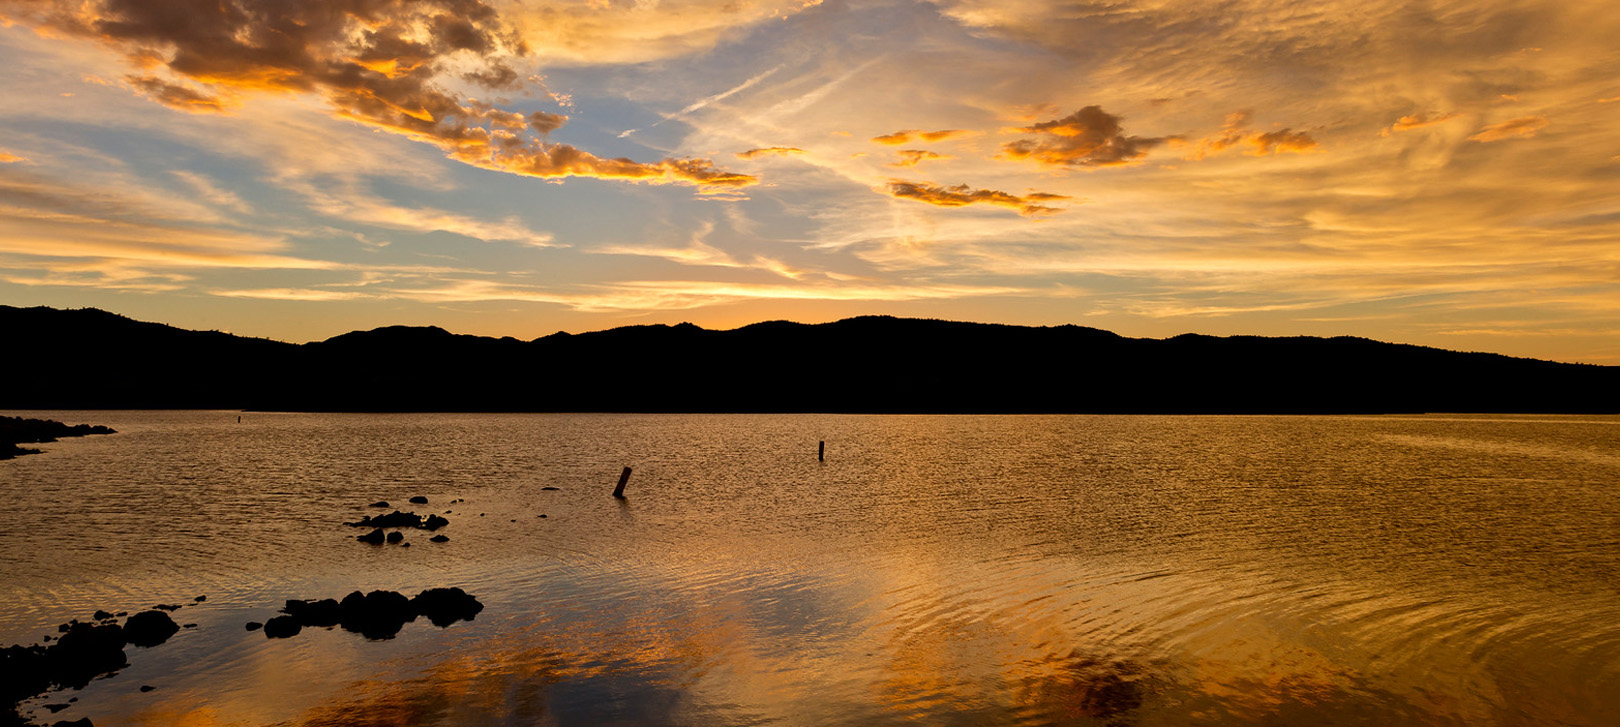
(545, 123)
(375, 62)
(496, 76)
(1090, 137)
(962, 195)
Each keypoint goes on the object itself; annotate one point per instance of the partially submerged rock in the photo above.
(374, 537)
(149, 628)
(282, 627)
(419, 500)
(83, 653)
(397, 519)
(445, 606)
(325, 612)
(375, 615)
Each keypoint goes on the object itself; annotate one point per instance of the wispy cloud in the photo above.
(913, 157)
(1416, 121)
(1522, 127)
(681, 294)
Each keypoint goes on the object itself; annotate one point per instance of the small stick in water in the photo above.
(821, 452)
(623, 478)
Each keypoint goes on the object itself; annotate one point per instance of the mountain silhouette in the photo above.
(88, 358)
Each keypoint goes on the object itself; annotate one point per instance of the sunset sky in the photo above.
(1441, 173)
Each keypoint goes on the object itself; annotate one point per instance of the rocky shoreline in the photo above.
(82, 651)
(17, 430)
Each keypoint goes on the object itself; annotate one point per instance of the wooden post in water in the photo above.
(821, 452)
(623, 478)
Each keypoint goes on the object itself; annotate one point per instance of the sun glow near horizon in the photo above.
(1442, 175)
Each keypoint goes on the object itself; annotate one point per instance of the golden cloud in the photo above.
(1525, 126)
(1089, 137)
(905, 136)
(6, 158)
(1235, 131)
(1416, 121)
(913, 157)
(1277, 142)
(769, 151)
(375, 62)
(962, 195)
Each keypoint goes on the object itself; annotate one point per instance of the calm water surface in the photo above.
(976, 570)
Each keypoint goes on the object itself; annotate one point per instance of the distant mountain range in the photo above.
(92, 359)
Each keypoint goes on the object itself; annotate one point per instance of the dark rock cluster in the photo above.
(375, 615)
(396, 519)
(82, 652)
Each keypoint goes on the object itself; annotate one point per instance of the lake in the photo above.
(938, 570)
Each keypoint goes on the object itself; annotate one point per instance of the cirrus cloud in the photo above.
(1524, 126)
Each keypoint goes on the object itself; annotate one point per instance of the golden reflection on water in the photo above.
(937, 570)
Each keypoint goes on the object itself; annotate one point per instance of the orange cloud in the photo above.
(962, 195)
(1277, 142)
(1525, 126)
(913, 157)
(1089, 137)
(904, 136)
(375, 62)
(770, 150)
(1416, 121)
(1235, 131)
(10, 158)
